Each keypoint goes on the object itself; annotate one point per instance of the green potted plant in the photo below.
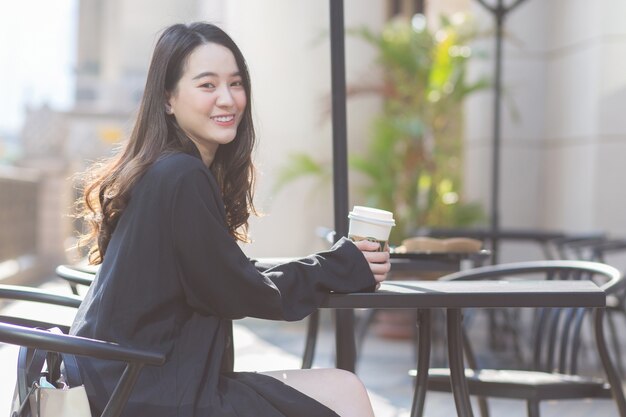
(412, 164)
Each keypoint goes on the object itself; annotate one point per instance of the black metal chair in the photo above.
(135, 359)
(76, 275)
(550, 244)
(600, 250)
(23, 332)
(555, 338)
(21, 293)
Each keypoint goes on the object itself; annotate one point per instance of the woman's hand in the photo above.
(379, 261)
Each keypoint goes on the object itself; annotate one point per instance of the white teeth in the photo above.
(224, 119)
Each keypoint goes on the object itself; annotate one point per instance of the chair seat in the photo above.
(522, 384)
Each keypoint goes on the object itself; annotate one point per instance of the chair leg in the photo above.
(483, 406)
(493, 324)
(74, 288)
(533, 408)
(311, 340)
(423, 334)
(511, 328)
(616, 343)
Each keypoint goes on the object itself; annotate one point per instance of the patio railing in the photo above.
(19, 194)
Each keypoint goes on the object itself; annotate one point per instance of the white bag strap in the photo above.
(23, 405)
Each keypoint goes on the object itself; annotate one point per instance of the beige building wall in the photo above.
(589, 136)
(115, 43)
(563, 133)
(563, 136)
(286, 44)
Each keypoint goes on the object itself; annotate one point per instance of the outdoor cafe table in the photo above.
(453, 297)
(417, 265)
(413, 263)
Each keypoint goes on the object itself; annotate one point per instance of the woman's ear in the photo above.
(168, 105)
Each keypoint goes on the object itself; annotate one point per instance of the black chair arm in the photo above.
(19, 293)
(135, 359)
(75, 275)
(20, 321)
(76, 345)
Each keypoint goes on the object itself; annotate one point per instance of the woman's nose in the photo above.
(225, 97)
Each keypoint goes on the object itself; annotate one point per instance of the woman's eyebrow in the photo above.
(213, 74)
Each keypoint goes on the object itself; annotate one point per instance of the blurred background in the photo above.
(420, 113)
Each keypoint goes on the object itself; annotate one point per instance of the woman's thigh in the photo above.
(339, 390)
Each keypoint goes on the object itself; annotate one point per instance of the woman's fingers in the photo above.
(376, 257)
(380, 271)
(367, 245)
(378, 261)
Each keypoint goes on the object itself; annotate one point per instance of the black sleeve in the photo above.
(262, 266)
(217, 278)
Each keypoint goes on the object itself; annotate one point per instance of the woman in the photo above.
(166, 215)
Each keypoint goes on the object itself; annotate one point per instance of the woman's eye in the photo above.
(208, 85)
(237, 84)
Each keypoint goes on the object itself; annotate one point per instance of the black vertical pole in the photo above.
(340, 146)
(499, 12)
(344, 318)
(497, 131)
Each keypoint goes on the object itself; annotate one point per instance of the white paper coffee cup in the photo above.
(367, 223)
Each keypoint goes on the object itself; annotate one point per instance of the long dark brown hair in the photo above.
(107, 185)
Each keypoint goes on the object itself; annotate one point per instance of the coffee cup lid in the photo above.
(372, 215)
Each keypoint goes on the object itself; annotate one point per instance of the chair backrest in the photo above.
(611, 251)
(135, 359)
(598, 250)
(575, 247)
(22, 293)
(23, 334)
(556, 332)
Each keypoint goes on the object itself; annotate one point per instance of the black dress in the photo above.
(173, 279)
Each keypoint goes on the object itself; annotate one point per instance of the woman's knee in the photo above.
(340, 390)
(328, 379)
(342, 383)
(343, 378)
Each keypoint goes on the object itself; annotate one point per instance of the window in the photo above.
(404, 7)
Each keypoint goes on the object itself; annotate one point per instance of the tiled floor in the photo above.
(383, 366)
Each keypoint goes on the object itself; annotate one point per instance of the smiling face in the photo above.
(209, 99)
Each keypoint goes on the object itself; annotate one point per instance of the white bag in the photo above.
(52, 402)
(56, 402)
(35, 396)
